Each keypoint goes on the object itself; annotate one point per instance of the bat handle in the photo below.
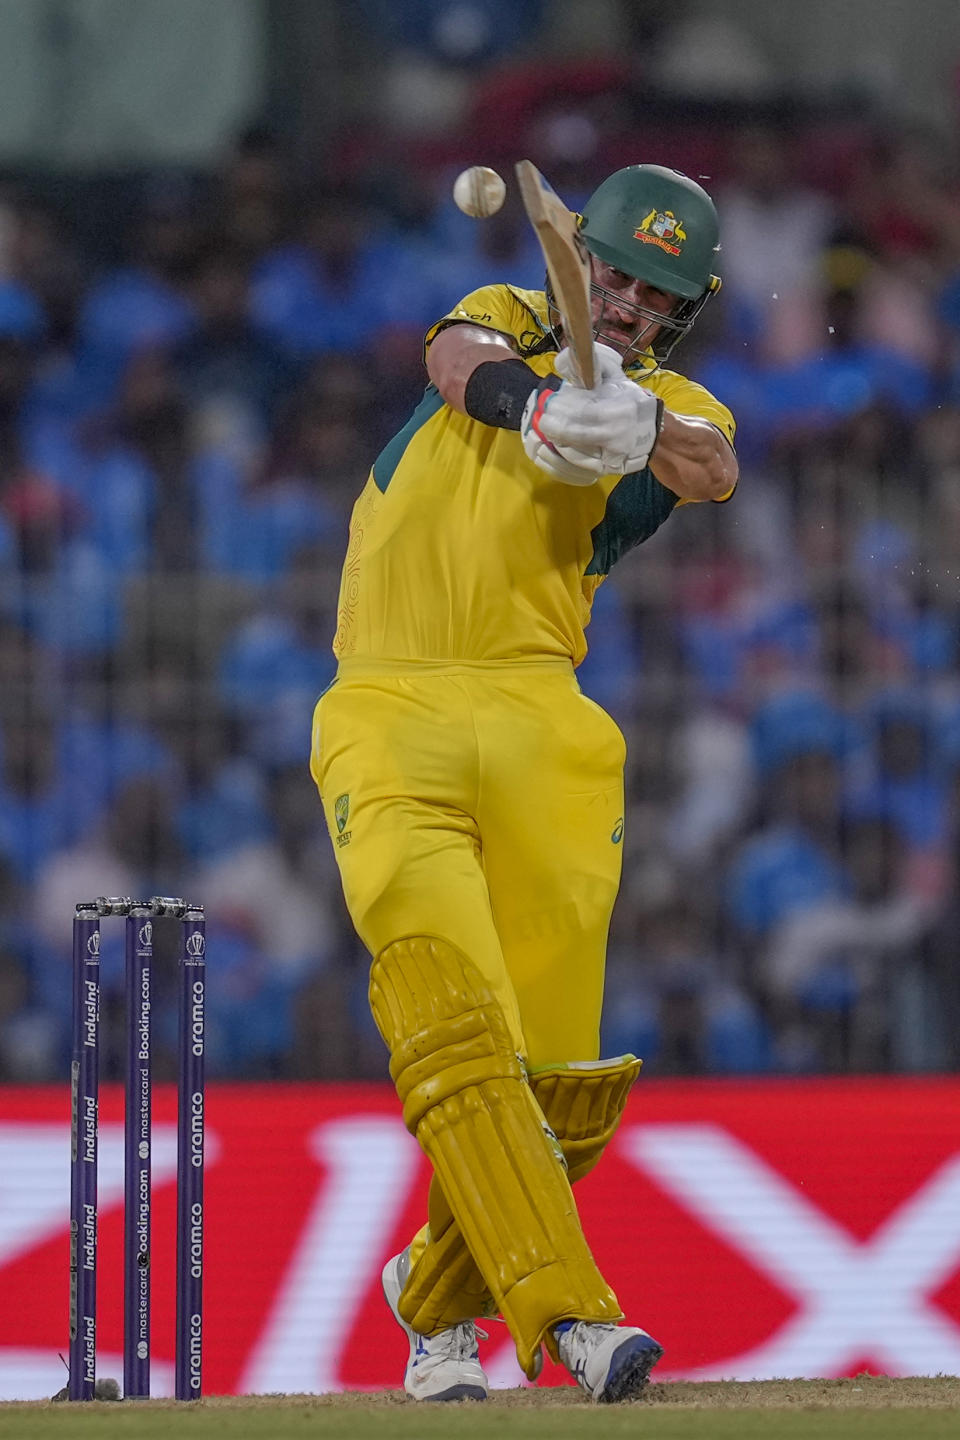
(576, 375)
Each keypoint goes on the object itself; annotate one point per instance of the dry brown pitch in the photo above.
(868, 1407)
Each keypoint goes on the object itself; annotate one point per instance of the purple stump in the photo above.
(190, 1125)
(137, 1138)
(84, 1098)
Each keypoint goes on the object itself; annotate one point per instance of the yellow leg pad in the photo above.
(418, 1246)
(444, 1280)
(583, 1104)
(444, 1286)
(466, 1099)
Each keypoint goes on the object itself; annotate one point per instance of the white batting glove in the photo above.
(611, 429)
(607, 365)
(570, 468)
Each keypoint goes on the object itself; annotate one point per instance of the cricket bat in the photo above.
(568, 263)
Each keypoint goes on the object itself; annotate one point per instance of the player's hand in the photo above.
(612, 428)
(607, 365)
(543, 454)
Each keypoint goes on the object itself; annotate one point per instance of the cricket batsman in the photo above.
(474, 795)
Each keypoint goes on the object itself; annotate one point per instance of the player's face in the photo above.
(624, 309)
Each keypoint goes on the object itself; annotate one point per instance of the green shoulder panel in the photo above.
(635, 509)
(392, 453)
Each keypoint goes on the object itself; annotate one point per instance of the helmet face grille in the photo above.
(673, 327)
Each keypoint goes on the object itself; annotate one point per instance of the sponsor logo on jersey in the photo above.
(661, 228)
(617, 834)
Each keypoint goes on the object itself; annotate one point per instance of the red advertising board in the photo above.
(757, 1229)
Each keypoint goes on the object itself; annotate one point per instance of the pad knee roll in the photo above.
(445, 1029)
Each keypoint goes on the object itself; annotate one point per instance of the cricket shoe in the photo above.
(441, 1367)
(610, 1362)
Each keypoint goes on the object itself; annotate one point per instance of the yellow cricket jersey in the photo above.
(461, 549)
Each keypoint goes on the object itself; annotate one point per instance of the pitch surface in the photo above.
(867, 1406)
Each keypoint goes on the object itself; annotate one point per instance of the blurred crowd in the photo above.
(196, 371)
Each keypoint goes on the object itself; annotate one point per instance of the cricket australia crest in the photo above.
(661, 228)
(341, 813)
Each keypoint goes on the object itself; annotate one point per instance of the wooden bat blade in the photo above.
(568, 263)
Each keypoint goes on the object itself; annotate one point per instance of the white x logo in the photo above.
(856, 1298)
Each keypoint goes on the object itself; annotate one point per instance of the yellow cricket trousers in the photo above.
(482, 803)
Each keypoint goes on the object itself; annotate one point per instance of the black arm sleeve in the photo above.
(497, 392)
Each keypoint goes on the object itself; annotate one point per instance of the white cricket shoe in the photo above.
(610, 1362)
(441, 1367)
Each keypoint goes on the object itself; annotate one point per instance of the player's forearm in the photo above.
(693, 459)
(457, 352)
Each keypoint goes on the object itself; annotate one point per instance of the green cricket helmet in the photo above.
(660, 227)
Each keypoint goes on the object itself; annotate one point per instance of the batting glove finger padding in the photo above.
(616, 424)
(571, 469)
(607, 365)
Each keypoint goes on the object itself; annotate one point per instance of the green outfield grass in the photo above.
(868, 1406)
